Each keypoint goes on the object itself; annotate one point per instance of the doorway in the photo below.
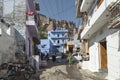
(71, 48)
(103, 55)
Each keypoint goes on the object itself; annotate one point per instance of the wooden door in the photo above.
(103, 54)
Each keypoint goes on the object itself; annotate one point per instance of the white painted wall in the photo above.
(98, 18)
(94, 61)
(113, 50)
(94, 47)
(0, 31)
(113, 42)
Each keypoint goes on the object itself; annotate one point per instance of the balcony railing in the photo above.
(115, 16)
(86, 4)
(78, 4)
(99, 18)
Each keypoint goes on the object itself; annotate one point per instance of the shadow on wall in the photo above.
(20, 45)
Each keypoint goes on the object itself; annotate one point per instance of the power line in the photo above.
(56, 6)
(51, 7)
(62, 7)
(46, 8)
(63, 11)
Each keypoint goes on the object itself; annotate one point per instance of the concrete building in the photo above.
(12, 30)
(69, 47)
(32, 38)
(77, 44)
(100, 35)
(57, 38)
(18, 30)
(44, 46)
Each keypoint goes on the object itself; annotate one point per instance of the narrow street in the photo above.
(62, 71)
(59, 39)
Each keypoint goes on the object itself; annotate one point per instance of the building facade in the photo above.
(57, 38)
(32, 38)
(100, 35)
(12, 30)
(44, 46)
(17, 30)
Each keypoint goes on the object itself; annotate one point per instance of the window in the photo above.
(48, 34)
(63, 40)
(62, 34)
(58, 41)
(58, 35)
(54, 41)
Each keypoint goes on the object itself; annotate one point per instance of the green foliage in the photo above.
(43, 32)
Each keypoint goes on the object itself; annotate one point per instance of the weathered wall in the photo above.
(7, 45)
(12, 39)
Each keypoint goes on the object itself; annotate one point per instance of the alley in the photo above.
(40, 38)
(62, 71)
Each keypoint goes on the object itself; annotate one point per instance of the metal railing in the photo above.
(114, 14)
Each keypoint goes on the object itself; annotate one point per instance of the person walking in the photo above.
(53, 57)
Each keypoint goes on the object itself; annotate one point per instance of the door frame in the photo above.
(103, 64)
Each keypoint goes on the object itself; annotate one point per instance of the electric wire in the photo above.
(52, 11)
(62, 8)
(65, 10)
(46, 8)
(56, 7)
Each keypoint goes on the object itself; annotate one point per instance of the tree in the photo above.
(43, 32)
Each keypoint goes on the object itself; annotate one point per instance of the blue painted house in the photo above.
(44, 47)
(57, 39)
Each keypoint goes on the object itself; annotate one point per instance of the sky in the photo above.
(59, 9)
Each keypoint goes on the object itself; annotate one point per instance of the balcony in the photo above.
(57, 38)
(99, 18)
(32, 28)
(59, 31)
(37, 7)
(79, 32)
(78, 4)
(115, 16)
(86, 4)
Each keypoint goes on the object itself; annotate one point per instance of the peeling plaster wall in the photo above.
(12, 38)
(7, 45)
